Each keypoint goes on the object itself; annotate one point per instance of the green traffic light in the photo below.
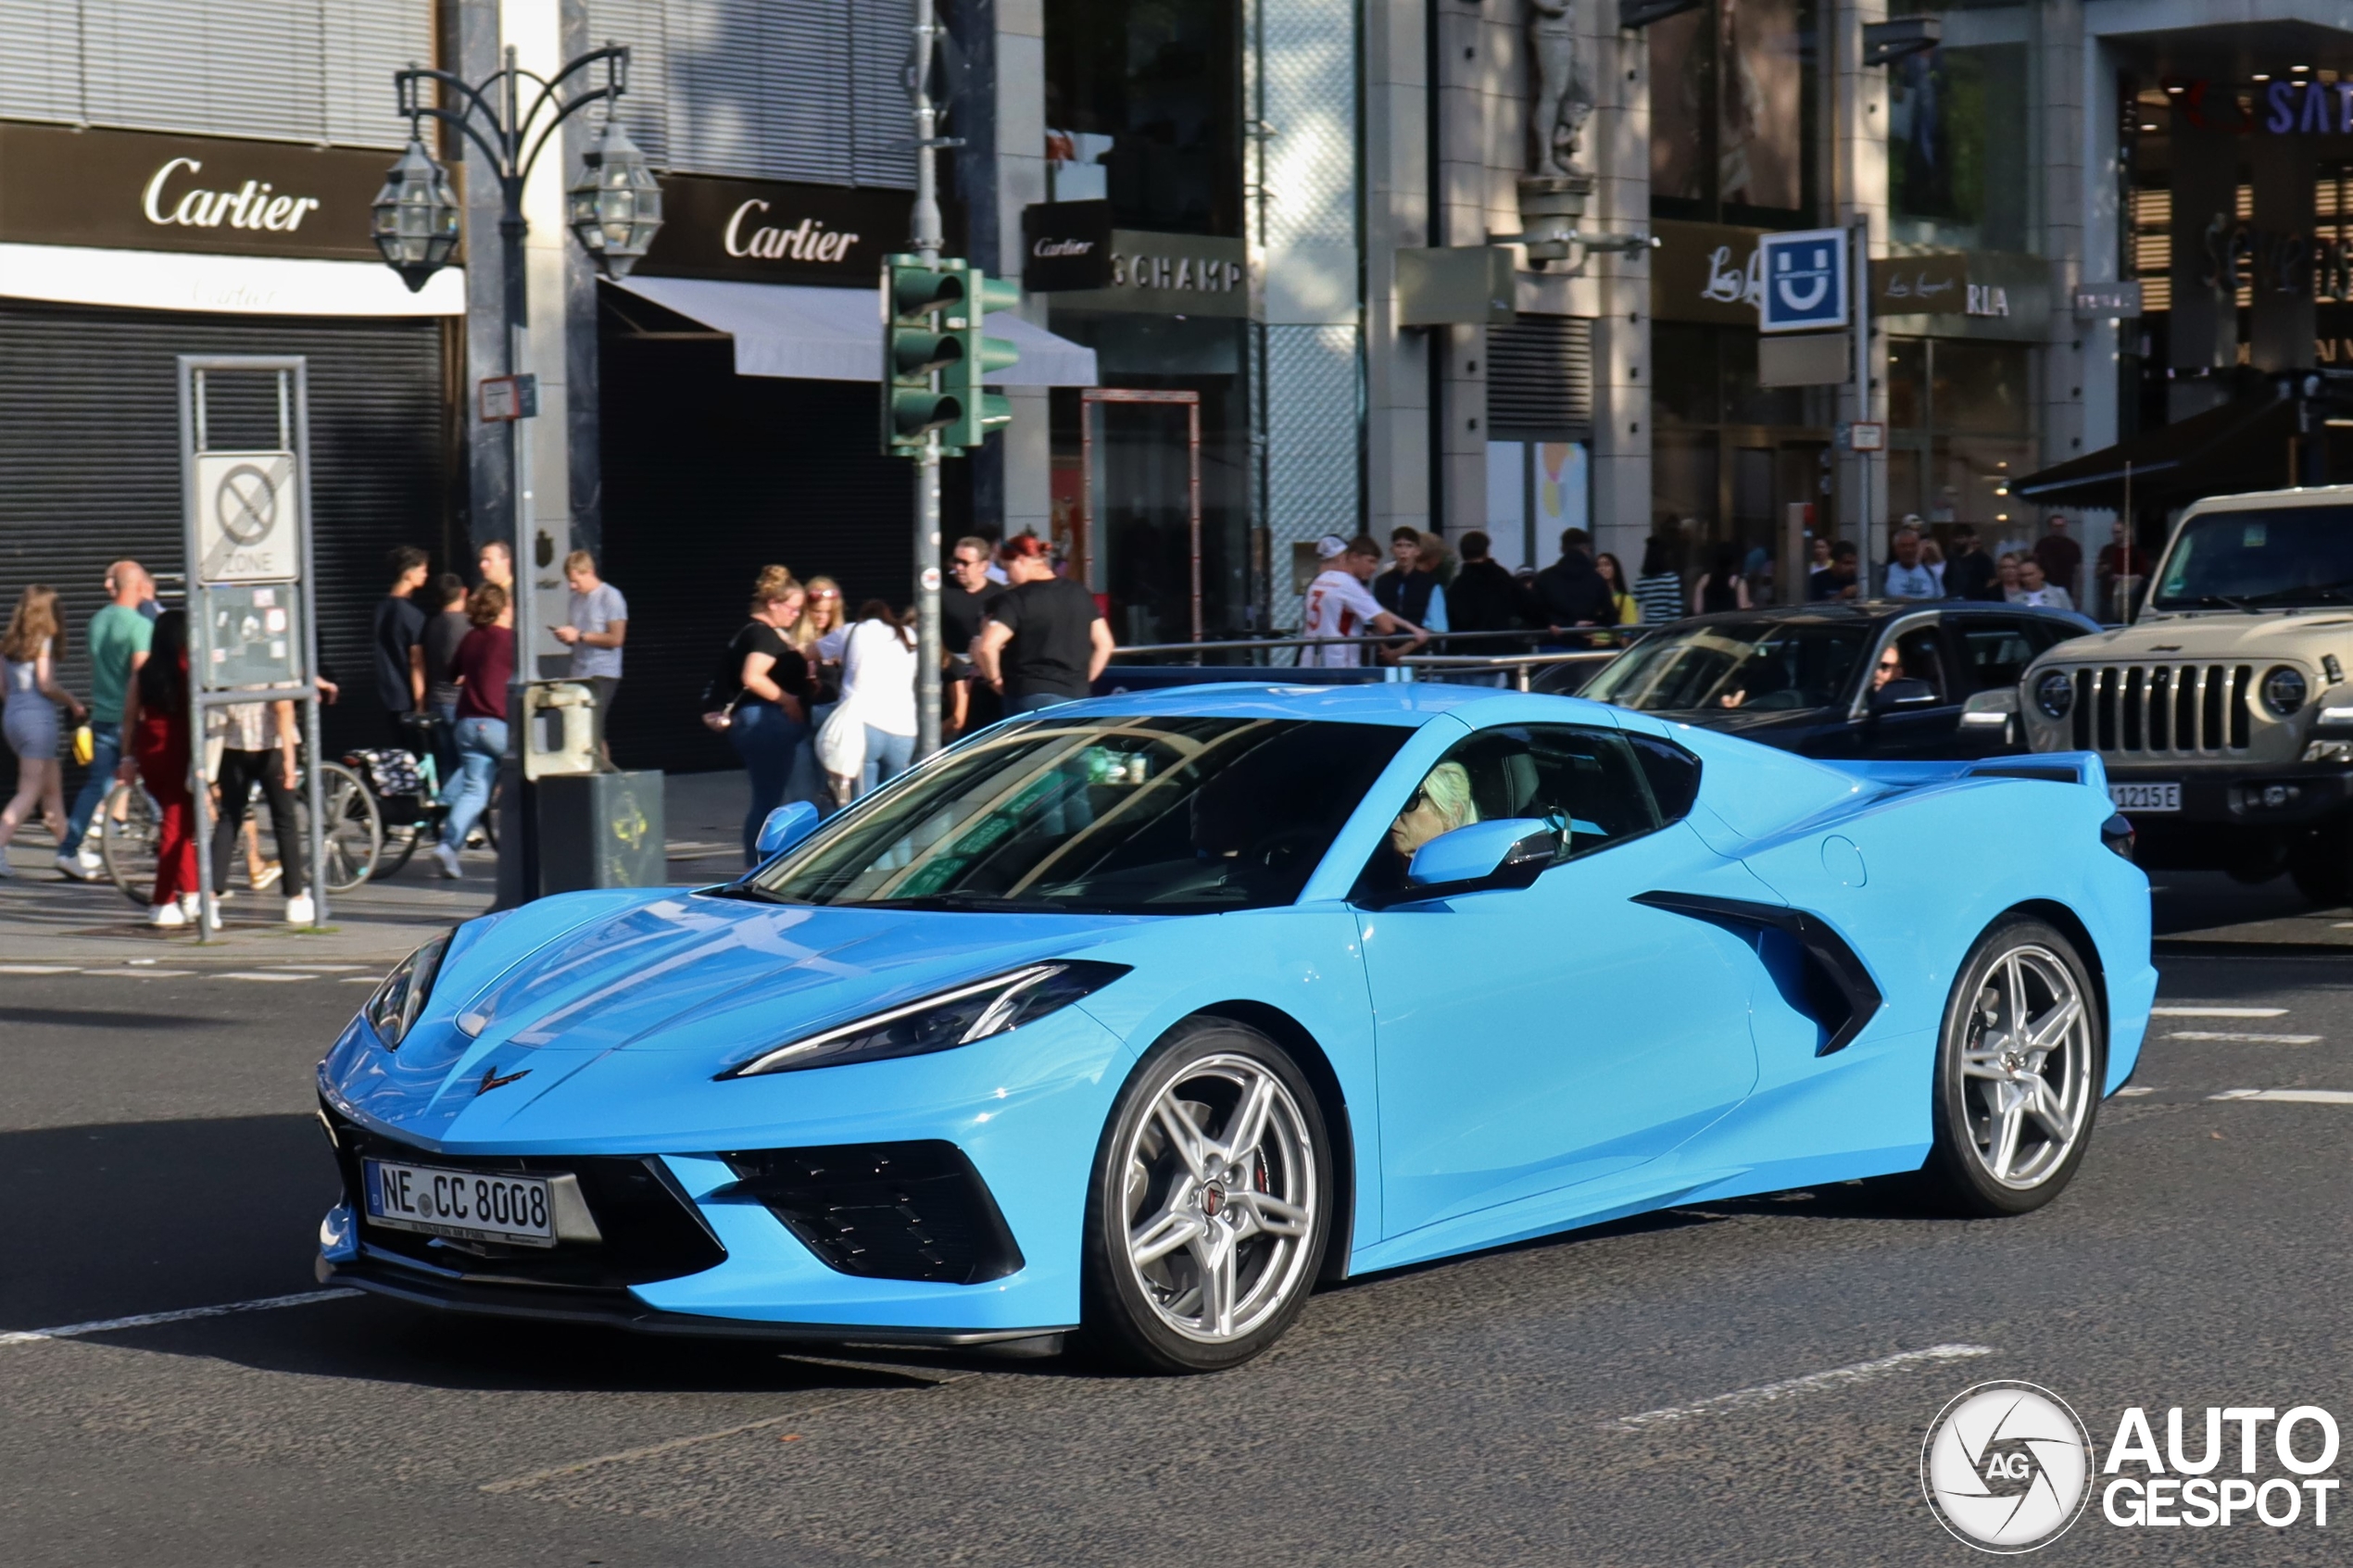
(914, 353)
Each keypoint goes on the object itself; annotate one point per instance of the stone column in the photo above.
(1859, 144)
(1620, 139)
(1397, 215)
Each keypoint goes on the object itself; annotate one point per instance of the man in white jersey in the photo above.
(1339, 605)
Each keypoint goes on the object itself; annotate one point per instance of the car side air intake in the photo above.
(1838, 992)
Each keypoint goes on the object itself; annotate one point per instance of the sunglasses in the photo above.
(825, 594)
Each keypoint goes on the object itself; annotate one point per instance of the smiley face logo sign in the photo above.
(247, 518)
(1805, 281)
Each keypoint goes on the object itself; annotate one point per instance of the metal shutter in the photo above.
(89, 438)
(768, 88)
(308, 70)
(1539, 380)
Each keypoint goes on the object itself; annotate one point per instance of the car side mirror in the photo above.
(1990, 710)
(785, 826)
(1508, 852)
(1904, 696)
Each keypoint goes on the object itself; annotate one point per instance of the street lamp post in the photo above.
(613, 209)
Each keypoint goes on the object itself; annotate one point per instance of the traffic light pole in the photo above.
(926, 238)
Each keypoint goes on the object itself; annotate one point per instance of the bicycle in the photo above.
(129, 819)
(404, 788)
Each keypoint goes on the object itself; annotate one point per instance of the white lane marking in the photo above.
(279, 975)
(1772, 1393)
(140, 973)
(651, 1451)
(359, 980)
(185, 1314)
(36, 969)
(2216, 1012)
(2291, 1096)
(2243, 1037)
(321, 968)
(2134, 1092)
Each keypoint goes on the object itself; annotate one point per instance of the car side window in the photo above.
(1672, 773)
(1923, 655)
(1593, 782)
(1995, 653)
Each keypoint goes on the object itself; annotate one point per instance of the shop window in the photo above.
(1143, 107)
(1732, 133)
(1957, 154)
(1534, 490)
(1961, 429)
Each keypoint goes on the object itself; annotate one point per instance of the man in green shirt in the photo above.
(118, 637)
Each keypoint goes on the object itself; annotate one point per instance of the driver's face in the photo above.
(1890, 668)
(1420, 821)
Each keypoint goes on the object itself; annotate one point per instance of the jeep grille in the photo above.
(2163, 709)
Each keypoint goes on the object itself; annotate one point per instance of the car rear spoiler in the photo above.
(2056, 767)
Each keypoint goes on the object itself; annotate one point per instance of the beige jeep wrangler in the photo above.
(2223, 713)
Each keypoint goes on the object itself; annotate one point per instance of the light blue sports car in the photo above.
(1134, 1019)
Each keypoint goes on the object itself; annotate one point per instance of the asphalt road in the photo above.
(156, 1153)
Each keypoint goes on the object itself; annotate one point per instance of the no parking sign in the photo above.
(1806, 281)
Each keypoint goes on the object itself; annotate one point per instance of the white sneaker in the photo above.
(190, 904)
(448, 858)
(5, 872)
(300, 911)
(166, 915)
(70, 866)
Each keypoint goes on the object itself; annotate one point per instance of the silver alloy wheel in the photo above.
(2026, 1067)
(1219, 1199)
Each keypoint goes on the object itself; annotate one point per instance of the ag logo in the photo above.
(2007, 1467)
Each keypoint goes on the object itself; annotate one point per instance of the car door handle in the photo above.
(1840, 996)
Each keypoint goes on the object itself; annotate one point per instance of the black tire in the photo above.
(1985, 1077)
(1136, 1312)
(2321, 864)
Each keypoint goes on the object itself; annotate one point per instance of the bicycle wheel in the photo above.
(399, 843)
(128, 819)
(355, 835)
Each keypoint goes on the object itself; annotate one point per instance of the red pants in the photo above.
(166, 779)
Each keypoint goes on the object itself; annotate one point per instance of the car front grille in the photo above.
(649, 1227)
(887, 1210)
(2186, 710)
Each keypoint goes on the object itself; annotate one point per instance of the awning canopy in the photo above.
(2241, 445)
(811, 333)
(255, 286)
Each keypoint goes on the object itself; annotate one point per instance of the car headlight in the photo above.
(2285, 691)
(2054, 693)
(944, 1021)
(392, 1011)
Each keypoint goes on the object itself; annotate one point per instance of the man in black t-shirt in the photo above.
(1043, 641)
(967, 702)
(398, 639)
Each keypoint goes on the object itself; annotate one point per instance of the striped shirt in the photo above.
(1661, 596)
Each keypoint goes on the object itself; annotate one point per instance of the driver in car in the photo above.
(1442, 804)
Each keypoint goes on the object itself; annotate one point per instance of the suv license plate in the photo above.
(461, 1204)
(2146, 796)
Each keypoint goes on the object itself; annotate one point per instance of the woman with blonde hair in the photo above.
(34, 641)
(821, 617)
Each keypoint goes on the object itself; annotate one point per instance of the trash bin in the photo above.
(600, 830)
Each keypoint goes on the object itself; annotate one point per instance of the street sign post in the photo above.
(245, 511)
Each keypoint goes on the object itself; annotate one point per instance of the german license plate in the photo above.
(2146, 796)
(461, 1204)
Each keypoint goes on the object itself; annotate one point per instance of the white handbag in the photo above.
(841, 743)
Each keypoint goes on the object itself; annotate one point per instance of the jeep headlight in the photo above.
(2054, 693)
(2284, 690)
(394, 1008)
(943, 1020)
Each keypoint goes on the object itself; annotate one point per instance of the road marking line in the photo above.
(2242, 1036)
(36, 969)
(2216, 1012)
(1772, 1393)
(185, 1314)
(321, 968)
(652, 1450)
(2133, 1092)
(279, 975)
(139, 974)
(2291, 1096)
(360, 980)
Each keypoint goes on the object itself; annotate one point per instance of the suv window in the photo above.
(1590, 780)
(1922, 651)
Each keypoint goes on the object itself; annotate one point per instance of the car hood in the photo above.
(561, 984)
(2217, 635)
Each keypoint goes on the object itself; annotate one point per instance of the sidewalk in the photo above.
(49, 923)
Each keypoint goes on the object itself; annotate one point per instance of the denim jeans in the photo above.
(446, 760)
(765, 737)
(480, 743)
(888, 755)
(106, 736)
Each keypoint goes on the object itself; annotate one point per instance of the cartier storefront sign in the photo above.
(1065, 246)
(137, 190)
(772, 232)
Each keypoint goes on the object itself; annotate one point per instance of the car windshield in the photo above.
(1097, 814)
(1745, 664)
(2274, 558)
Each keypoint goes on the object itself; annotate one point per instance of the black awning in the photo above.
(2241, 445)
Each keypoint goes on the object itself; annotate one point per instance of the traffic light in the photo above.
(981, 357)
(915, 348)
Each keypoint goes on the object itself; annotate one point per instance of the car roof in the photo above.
(1409, 704)
(1872, 612)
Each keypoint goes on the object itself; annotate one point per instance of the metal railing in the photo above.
(1517, 669)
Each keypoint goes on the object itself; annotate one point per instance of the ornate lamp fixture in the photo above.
(416, 216)
(616, 208)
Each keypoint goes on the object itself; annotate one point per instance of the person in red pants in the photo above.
(155, 730)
